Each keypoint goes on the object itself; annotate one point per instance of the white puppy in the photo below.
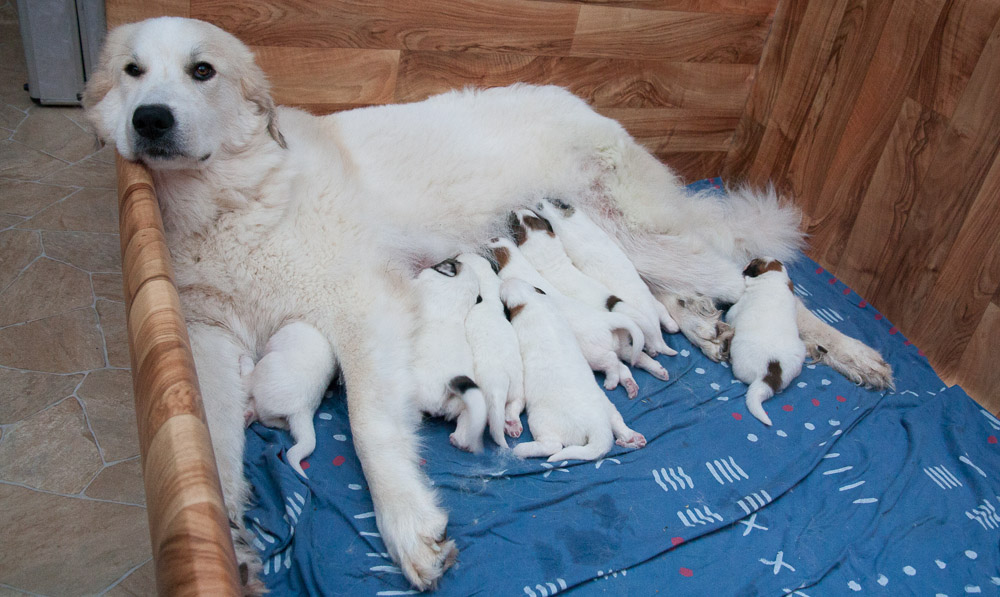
(570, 417)
(443, 358)
(597, 255)
(544, 250)
(597, 331)
(766, 350)
(287, 385)
(495, 353)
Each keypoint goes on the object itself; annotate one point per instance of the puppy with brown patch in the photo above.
(570, 417)
(443, 364)
(766, 350)
(604, 337)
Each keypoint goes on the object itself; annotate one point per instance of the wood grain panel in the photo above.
(978, 372)
(336, 76)
(668, 130)
(953, 52)
(970, 276)
(509, 26)
(600, 81)
(729, 7)
(671, 36)
(694, 165)
(119, 12)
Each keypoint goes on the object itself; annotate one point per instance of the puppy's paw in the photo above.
(610, 384)
(513, 428)
(633, 441)
(417, 540)
(631, 388)
(469, 444)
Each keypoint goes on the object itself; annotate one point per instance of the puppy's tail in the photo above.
(618, 321)
(597, 445)
(475, 416)
(495, 395)
(301, 426)
(758, 392)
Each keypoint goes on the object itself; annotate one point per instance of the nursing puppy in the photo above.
(595, 254)
(287, 385)
(766, 350)
(443, 358)
(568, 414)
(495, 353)
(604, 337)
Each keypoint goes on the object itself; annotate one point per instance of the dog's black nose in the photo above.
(152, 121)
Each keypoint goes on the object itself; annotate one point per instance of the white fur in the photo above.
(273, 215)
(569, 415)
(287, 385)
(765, 332)
(495, 353)
(442, 354)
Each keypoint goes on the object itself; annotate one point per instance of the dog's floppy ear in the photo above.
(257, 91)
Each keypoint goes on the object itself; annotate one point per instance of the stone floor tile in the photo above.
(58, 545)
(8, 221)
(91, 251)
(61, 344)
(46, 288)
(90, 172)
(48, 129)
(88, 210)
(108, 286)
(24, 163)
(11, 592)
(115, 329)
(52, 450)
(140, 583)
(120, 482)
(11, 117)
(107, 396)
(18, 248)
(28, 198)
(24, 393)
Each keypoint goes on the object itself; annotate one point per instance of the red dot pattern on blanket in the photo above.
(907, 343)
(847, 291)
(841, 399)
(687, 572)
(819, 270)
(738, 416)
(675, 541)
(992, 439)
(832, 280)
(339, 460)
(878, 317)
(893, 330)
(863, 303)
(304, 464)
(787, 408)
(815, 402)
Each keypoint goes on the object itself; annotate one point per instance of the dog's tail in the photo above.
(654, 342)
(597, 446)
(625, 324)
(757, 393)
(301, 426)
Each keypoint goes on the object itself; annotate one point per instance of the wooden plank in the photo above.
(692, 166)
(890, 194)
(671, 36)
(969, 278)
(729, 7)
(600, 81)
(673, 130)
(962, 158)
(978, 373)
(764, 92)
(831, 215)
(952, 53)
(329, 75)
(521, 26)
(119, 12)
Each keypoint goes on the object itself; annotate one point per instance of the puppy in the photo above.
(597, 331)
(495, 354)
(443, 358)
(287, 385)
(766, 350)
(595, 254)
(568, 414)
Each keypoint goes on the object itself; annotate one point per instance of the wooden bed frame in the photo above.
(878, 118)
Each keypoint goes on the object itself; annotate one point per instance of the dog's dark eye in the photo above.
(132, 69)
(202, 71)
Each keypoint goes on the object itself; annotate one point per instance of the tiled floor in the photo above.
(72, 509)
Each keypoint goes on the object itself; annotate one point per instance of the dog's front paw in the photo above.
(856, 361)
(701, 324)
(248, 559)
(417, 540)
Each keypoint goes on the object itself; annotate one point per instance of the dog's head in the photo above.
(174, 93)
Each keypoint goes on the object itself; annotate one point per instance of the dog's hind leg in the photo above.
(852, 358)
(217, 356)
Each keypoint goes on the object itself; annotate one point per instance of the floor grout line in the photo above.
(76, 496)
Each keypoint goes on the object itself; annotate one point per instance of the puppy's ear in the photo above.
(448, 267)
(257, 91)
(754, 269)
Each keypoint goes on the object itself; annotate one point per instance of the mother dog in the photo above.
(273, 215)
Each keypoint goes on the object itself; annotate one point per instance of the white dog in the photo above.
(287, 385)
(603, 337)
(272, 214)
(494, 352)
(570, 417)
(766, 351)
(443, 357)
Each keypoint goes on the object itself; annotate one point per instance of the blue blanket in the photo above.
(851, 490)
